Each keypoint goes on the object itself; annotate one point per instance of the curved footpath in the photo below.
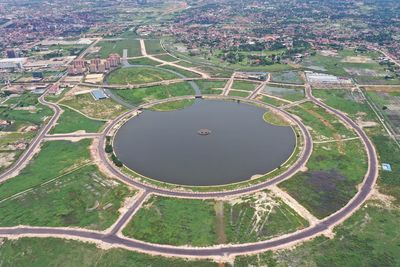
(216, 252)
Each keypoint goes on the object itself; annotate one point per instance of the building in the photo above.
(11, 53)
(12, 63)
(54, 89)
(98, 94)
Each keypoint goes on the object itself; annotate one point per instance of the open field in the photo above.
(24, 110)
(12, 144)
(148, 94)
(67, 253)
(102, 109)
(186, 73)
(169, 58)
(244, 85)
(366, 70)
(368, 238)
(290, 94)
(350, 102)
(333, 172)
(323, 125)
(153, 46)
(109, 47)
(143, 61)
(83, 198)
(174, 221)
(71, 121)
(173, 105)
(275, 119)
(271, 101)
(138, 75)
(238, 93)
(287, 77)
(210, 86)
(259, 216)
(47, 165)
(389, 105)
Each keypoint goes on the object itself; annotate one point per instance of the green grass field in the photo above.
(272, 101)
(68, 253)
(259, 217)
(290, 94)
(48, 164)
(275, 119)
(168, 58)
(324, 126)
(104, 109)
(186, 73)
(71, 121)
(148, 94)
(210, 87)
(143, 61)
(15, 112)
(331, 178)
(109, 47)
(153, 46)
(139, 75)
(174, 221)
(83, 197)
(287, 77)
(238, 93)
(244, 85)
(346, 101)
(173, 105)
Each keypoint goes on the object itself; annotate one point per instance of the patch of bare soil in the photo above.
(220, 226)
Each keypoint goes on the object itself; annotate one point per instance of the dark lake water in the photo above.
(166, 146)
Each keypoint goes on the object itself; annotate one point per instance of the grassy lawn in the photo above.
(168, 58)
(272, 101)
(83, 198)
(102, 109)
(173, 105)
(47, 165)
(148, 94)
(259, 217)
(68, 253)
(238, 93)
(143, 61)
(153, 46)
(24, 110)
(109, 47)
(71, 121)
(275, 119)
(139, 75)
(368, 238)
(290, 94)
(348, 102)
(330, 181)
(9, 142)
(244, 85)
(186, 73)
(209, 87)
(324, 126)
(287, 77)
(174, 221)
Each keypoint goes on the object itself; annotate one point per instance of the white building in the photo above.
(12, 63)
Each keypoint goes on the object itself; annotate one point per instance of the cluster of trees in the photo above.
(109, 150)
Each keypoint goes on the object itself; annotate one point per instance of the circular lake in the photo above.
(211, 142)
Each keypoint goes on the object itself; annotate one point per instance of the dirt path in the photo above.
(219, 224)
